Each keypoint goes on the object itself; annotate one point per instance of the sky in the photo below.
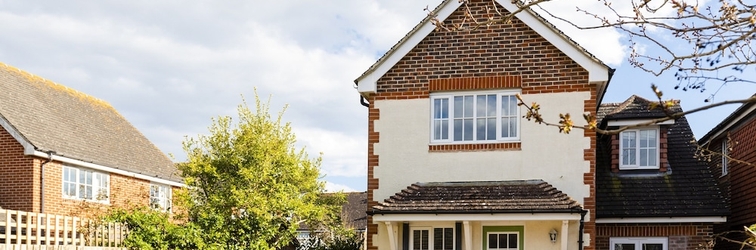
(169, 66)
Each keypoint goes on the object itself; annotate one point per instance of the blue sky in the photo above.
(169, 66)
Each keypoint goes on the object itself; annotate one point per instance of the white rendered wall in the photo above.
(404, 130)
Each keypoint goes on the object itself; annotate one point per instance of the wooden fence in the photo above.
(27, 230)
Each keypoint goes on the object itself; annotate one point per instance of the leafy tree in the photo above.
(249, 187)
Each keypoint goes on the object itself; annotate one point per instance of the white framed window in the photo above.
(503, 240)
(475, 117)
(725, 160)
(639, 149)
(655, 243)
(426, 238)
(160, 197)
(85, 184)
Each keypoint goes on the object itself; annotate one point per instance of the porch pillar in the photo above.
(565, 234)
(391, 235)
(468, 235)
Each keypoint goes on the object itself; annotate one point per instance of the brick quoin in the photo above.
(500, 56)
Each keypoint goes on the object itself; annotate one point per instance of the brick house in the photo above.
(735, 137)
(451, 162)
(431, 174)
(651, 190)
(61, 150)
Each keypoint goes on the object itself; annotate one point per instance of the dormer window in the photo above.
(639, 149)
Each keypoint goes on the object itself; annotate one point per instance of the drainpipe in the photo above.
(582, 225)
(42, 182)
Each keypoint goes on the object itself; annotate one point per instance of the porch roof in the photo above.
(516, 196)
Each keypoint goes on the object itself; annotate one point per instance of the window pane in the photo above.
(458, 105)
(631, 157)
(481, 130)
(502, 240)
(468, 129)
(512, 240)
(416, 239)
(512, 105)
(493, 241)
(436, 130)
(445, 108)
(491, 129)
(457, 129)
(619, 246)
(628, 139)
(444, 129)
(504, 106)
(437, 108)
(481, 106)
(644, 157)
(653, 246)
(505, 127)
(513, 127)
(424, 240)
(491, 105)
(652, 157)
(469, 104)
(438, 240)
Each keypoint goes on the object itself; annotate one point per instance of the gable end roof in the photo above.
(598, 71)
(77, 128)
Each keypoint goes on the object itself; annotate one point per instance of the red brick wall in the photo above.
(500, 56)
(15, 174)
(20, 184)
(681, 236)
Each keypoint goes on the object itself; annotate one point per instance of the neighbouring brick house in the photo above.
(735, 137)
(61, 149)
(446, 137)
(652, 192)
(453, 165)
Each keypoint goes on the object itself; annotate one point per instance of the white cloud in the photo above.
(333, 187)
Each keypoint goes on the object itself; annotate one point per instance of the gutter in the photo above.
(492, 211)
(42, 181)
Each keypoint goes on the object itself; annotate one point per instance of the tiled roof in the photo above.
(354, 212)
(56, 118)
(735, 116)
(634, 107)
(688, 188)
(530, 196)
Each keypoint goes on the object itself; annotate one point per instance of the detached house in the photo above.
(60, 148)
(453, 165)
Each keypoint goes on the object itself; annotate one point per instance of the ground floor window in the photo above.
(432, 238)
(160, 197)
(503, 237)
(655, 243)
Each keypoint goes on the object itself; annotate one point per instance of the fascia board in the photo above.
(75, 162)
(477, 217)
(711, 219)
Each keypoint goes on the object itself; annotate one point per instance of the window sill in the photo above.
(104, 202)
(499, 146)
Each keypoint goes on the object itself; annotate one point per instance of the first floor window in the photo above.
(160, 197)
(432, 239)
(656, 243)
(639, 149)
(85, 184)
(475, 117)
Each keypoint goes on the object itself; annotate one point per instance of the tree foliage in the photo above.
(248, 187)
